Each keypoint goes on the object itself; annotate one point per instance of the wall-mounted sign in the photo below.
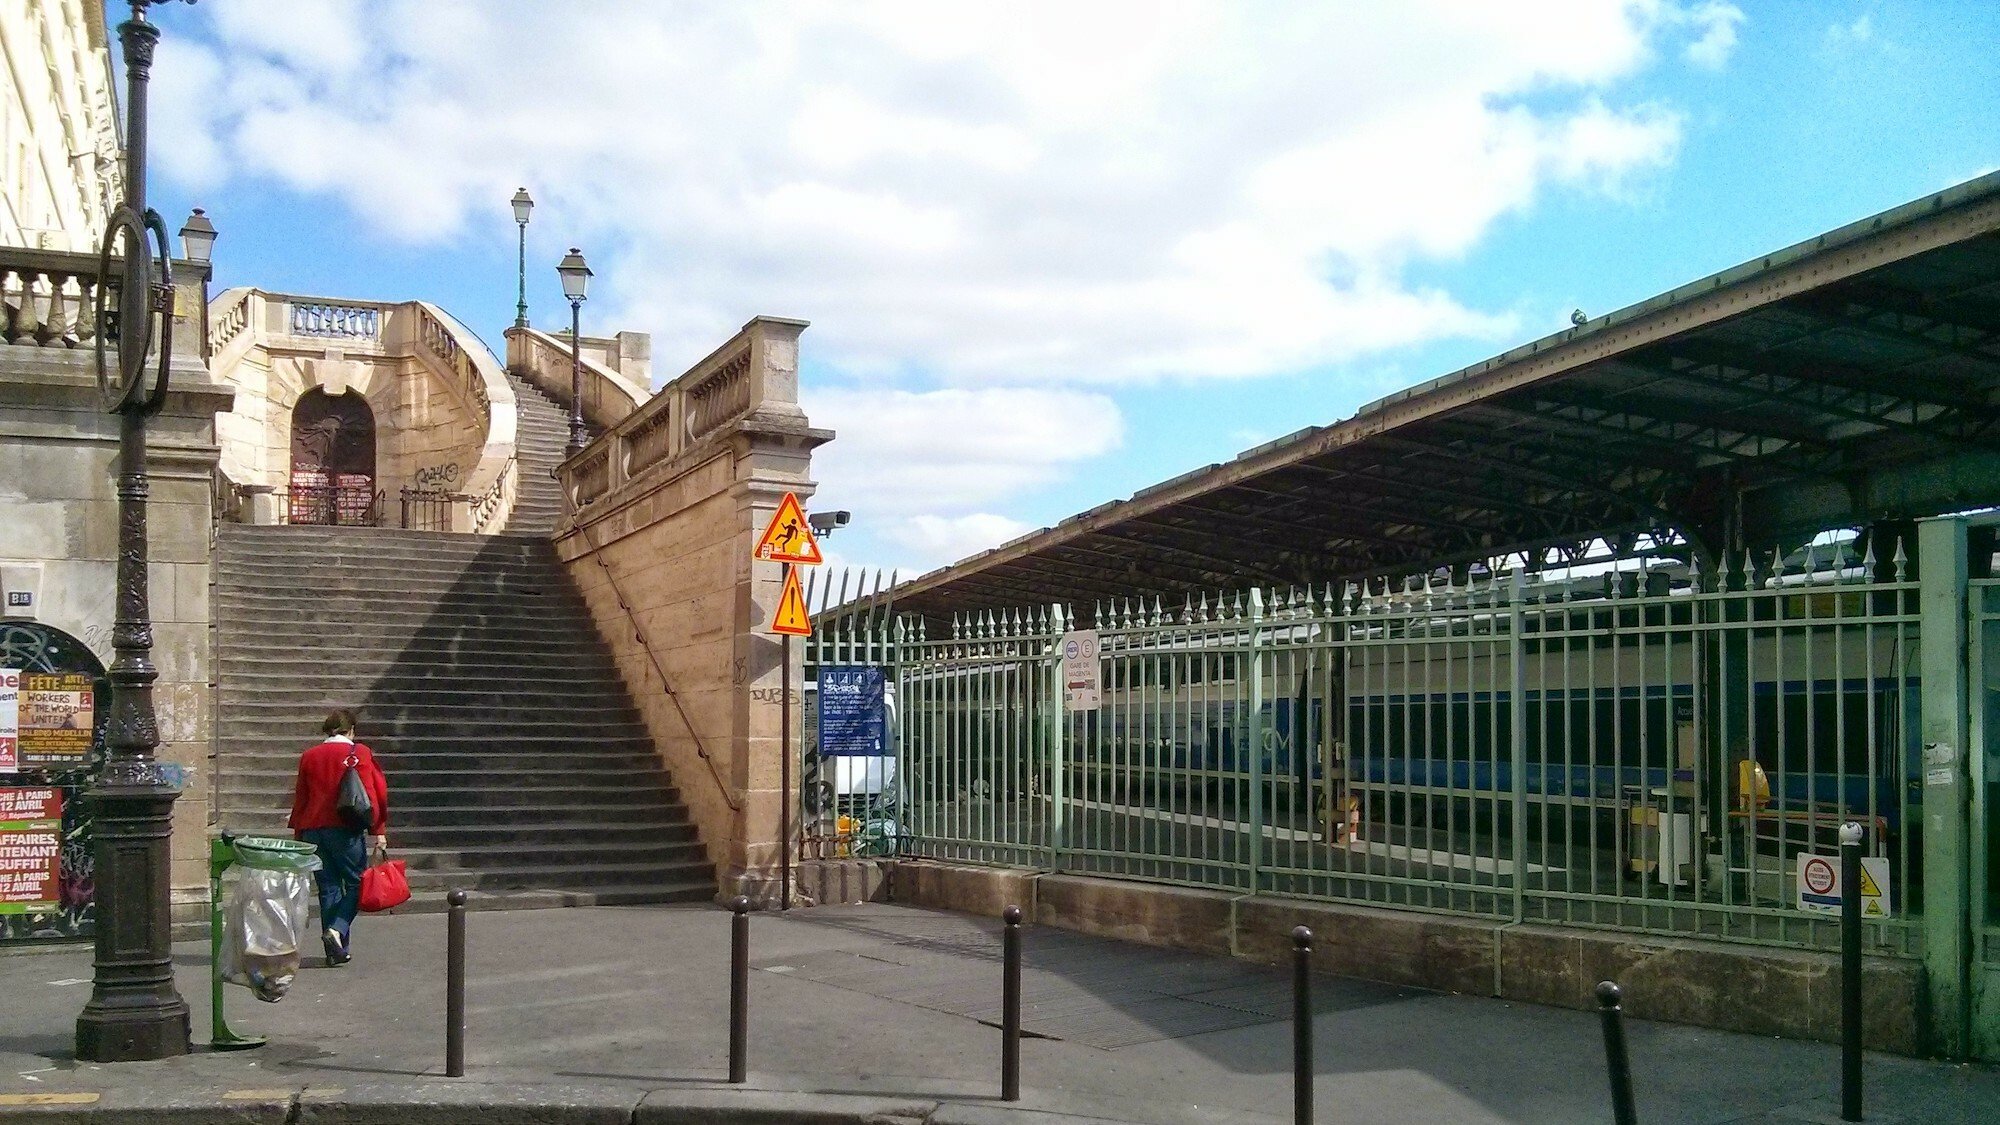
(1082, 676)
(58, 714)
(30, 849)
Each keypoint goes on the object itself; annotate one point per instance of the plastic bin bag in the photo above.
(266, 918)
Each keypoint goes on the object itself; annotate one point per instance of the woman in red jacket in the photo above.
(343, 852)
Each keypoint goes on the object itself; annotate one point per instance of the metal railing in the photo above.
(334, 504)
(1648, 748)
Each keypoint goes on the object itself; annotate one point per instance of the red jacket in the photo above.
(318, 790)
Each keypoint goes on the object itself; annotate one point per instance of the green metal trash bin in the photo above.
(267, 853)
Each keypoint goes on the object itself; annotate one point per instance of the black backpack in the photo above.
(353, 804)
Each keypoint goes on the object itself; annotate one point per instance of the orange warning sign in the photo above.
(788, 538)
(792, 617)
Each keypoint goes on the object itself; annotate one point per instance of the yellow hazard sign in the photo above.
(788, 538)
(792, 617)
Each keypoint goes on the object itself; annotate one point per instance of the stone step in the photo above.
(585, 696)
(565, 875)
(362, 591)
(276, 575)
(445, 836)
(659, 853)
(352, 651)
(514, 743)
(305, 620)
(400, 764)
(407, 804)
(429, 901)
(550, 776)
(578, 730)
(248, 678)
(262, 816)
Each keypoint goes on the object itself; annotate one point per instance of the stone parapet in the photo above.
(1763, 990)
(665, 508)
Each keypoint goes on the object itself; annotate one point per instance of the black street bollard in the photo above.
(739, 990)
(1850, 972)
(1612, 1015)
(454, 986)
(1302, 1026)
(1010, 1007)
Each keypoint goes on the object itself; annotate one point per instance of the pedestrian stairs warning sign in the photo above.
(1819, 889)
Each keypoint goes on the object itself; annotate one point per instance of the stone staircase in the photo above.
(517, 765)
(538, 445)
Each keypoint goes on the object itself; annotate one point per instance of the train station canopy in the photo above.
(1842, 382)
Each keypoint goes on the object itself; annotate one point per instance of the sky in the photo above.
(1053, 253)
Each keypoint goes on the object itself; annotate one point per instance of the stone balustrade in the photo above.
(251, 332)
(546, 362)
(48, 299)
(755, 373)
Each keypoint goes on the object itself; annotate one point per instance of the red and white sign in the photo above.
(10, 720)
(1819, 884)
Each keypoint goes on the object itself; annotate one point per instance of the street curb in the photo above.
(462, 1103)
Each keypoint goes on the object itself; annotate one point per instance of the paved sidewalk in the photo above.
(624, 1007)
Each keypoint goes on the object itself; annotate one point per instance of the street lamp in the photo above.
(134, 1011)
(198, 238)
(522, 205)
(575, 278)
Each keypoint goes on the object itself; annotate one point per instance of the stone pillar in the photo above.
(662, 554)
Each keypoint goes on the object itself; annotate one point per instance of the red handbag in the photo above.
(384, 886)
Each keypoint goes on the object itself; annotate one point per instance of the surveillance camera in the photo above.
(824, 522)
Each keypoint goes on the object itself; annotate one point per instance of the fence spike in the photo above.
(1899, 558)
(1812, 564)
(1694, 571)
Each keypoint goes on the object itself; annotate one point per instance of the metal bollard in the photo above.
(1010, 1005)
(1609, 1011)
(1302, 1026)
(454, 986)
(1850, 972)
(739, 989)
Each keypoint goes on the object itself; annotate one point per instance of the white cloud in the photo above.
(1846, 36)
(1716, 24)
(1002, 197)
(922, 470)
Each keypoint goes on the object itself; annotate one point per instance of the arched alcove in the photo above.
(333, 459)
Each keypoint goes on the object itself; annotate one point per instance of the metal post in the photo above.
(1302, 1026)
(1010, 1006)
(454, 987)
(1612, 1016)
(134, 1011)
(739, 989)
(521, 307)
(1850, 972)
(577, 434)
(785, 771)
(1517, 735)
(1942, 573)
(221, 856)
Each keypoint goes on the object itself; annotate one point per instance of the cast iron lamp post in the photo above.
(575, 277)
(134, 1011)
(522, 205)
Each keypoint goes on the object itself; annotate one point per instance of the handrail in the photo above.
(666, 682)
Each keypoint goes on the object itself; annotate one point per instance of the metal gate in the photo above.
(1634, 746)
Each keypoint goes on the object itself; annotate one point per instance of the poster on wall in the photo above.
(10, 720)
(30, 849)
(57, 717)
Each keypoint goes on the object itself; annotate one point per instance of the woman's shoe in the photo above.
(336, 949)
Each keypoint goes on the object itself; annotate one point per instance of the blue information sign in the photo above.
(851, 712)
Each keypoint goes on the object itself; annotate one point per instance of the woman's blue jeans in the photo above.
(343, 855)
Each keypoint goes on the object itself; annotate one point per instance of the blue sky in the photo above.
(1055, 253)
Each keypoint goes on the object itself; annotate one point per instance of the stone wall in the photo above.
(1762, 990)
(666, 514)
(59, 512)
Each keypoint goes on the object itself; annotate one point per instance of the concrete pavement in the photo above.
(620, 1014)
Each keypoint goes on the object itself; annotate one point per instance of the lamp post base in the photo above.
(135, 1032)
(134, 1012)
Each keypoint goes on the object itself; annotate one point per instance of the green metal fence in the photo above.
(1644, 747)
